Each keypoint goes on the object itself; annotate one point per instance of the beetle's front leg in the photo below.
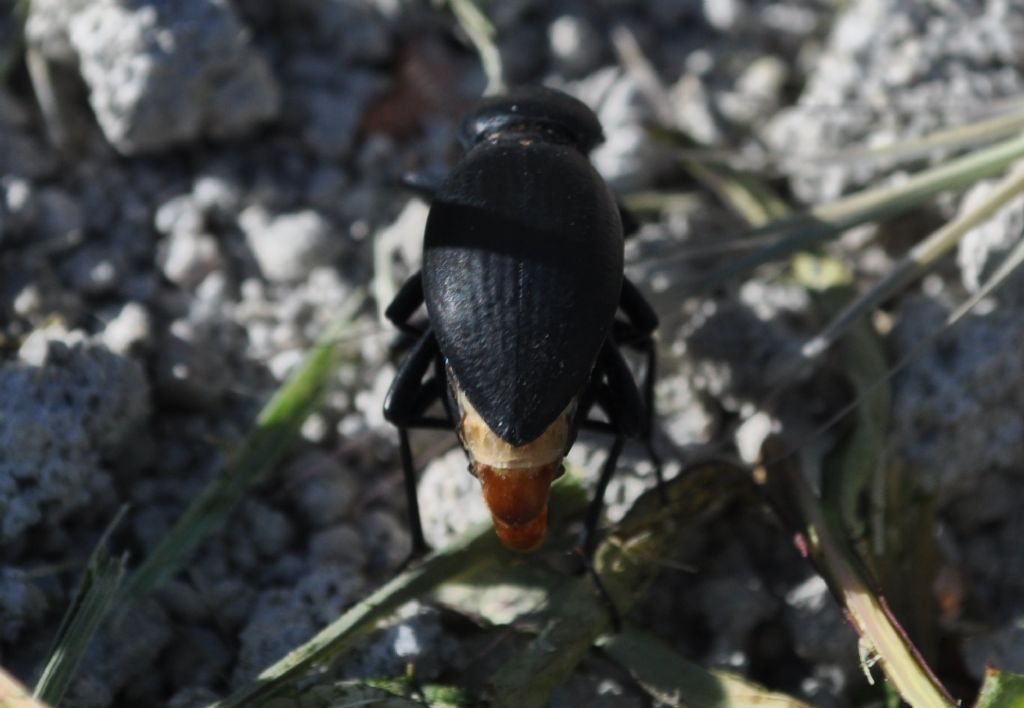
(406, 301)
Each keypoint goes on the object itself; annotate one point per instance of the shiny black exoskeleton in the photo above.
(527, 306)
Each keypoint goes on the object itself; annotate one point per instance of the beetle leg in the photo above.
(405, 404)
(647, 434)
(620, 400)
(419, 544)
(644, 344)
(630, 224)
(638, 334)
(406, 301)
(400, 402)
(429, 393)
(635, 306)
(588, 537)
(627, 413)
(422, 184)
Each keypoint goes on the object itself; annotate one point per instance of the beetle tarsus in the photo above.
(588, 537)
(586, 565)
(419, 543)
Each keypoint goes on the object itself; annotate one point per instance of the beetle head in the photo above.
(537, 111)
(515, 478)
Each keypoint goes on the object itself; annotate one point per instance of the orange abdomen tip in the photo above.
(518, 500)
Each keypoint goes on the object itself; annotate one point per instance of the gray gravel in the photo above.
(67, 406)
(231, 185)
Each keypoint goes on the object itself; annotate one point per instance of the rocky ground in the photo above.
(191, 190)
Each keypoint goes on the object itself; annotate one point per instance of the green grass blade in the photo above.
(474, 550)
(482, 34)
(821, 223)
(675, 681)
(1001, 690)
(867, 611)
(917, 262)
(92, 601)
(277, 428)
(851, 469)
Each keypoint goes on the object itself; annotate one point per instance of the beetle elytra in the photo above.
(527, 306)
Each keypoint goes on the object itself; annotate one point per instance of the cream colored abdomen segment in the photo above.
(486, 448)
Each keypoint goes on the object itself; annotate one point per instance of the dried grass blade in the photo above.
(481, 33)
(917, 262)
(978, 132)
(867, 610)
(821, 223)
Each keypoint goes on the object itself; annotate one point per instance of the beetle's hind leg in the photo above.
(638, 333)
(405, 406)
(620, 400)
(618, 397)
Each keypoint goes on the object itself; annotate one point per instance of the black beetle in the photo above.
(523, 284)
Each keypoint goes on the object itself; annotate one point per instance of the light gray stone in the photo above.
(66, 406)
(129, 331)
(337, 544)
(288, 246)
(982, 249)
(323, 489)
(268, 529)
(891, 71)
(139, 59)
(385, 538)
(186, 257)
(179, 214)
(957, 408)
(577, 47)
